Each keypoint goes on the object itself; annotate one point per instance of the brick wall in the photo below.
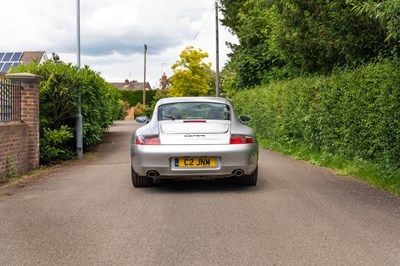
(19, 141)
(13, 152)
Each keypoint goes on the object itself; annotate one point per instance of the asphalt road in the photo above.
(87, 213)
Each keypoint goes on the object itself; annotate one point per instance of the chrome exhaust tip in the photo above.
(152, 173)
(238, 172)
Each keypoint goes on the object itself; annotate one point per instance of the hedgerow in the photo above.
(354, 114)
(58, 107)
(135, 97)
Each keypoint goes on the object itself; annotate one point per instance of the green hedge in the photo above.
(353, 113)
(58, 107)
(135, 97)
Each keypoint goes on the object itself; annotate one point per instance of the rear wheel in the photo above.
(248, 180)
(140, 181)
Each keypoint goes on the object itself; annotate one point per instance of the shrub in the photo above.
(53, 145)
(135, 97)
(352, 113)
(140, 109)
(59, 92)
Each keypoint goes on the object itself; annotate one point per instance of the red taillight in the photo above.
(148, 140)
(239, 139)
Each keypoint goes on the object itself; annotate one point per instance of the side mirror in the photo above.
(244, 119)
(143, 119)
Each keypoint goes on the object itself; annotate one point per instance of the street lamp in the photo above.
(144, 79)
(217, 93)
(79, 138)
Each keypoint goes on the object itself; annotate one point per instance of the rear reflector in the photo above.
(148, 140)
(240, 139)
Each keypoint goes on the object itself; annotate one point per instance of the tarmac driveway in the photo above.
(87, 213)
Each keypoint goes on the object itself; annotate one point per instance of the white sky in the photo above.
(113, 33)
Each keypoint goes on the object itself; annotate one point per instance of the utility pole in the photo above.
(217, 93)
(144, 80)
(79, 137)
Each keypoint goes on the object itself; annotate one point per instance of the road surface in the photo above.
(87, 213)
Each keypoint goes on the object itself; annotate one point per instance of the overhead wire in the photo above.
(198, 32)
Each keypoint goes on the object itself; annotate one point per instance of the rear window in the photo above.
(193, 110)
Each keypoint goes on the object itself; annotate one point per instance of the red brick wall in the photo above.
(13, 149)
(19, 141)
(30, 116)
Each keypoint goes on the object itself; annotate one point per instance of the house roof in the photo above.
(13, 59)
(29, 56)
(130, 85)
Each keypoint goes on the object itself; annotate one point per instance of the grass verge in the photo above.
(377, 175)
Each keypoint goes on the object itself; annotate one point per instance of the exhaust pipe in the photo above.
(152, 173)
(238, 172)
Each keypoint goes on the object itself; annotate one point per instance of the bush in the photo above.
(353, 114)
(135, 97)
(53, 145)
(59, 92)
(140, 109)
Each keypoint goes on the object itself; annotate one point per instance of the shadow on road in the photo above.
(227, 185)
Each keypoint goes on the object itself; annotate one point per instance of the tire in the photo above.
(249, 180)
(140, 181)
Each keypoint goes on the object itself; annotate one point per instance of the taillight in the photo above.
(148, 140)
(241, 139)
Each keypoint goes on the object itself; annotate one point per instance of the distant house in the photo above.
(13, 59)
(130, 85)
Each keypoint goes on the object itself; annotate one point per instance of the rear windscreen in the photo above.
(193, 110)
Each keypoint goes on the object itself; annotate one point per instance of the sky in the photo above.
(113, 33)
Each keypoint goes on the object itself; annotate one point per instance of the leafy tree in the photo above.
(387, 12)
(317, 35)
(284, 38)
(231, 10)
(228, 80)
(191, 75)
(249, 59)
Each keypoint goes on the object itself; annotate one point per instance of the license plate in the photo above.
(198, 162)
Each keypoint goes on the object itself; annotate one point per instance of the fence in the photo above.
(10, 101)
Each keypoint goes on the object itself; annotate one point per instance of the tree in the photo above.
(230, 10)
(249, 22)
(280, 39)
(317, 35)
(387, 12)
(191, 75)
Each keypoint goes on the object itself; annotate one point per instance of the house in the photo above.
(13, 59)
(131, 85)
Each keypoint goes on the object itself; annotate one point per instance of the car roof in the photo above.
(194, 99)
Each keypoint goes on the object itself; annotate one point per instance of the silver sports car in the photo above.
(194, 137)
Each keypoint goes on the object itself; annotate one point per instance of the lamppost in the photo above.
(217, 92)
(144, 79)
(79, 138)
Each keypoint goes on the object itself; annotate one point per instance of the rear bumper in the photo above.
(161, 159)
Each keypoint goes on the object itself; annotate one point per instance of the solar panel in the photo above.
(16, 56)
(6, 67)
(7, 57)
